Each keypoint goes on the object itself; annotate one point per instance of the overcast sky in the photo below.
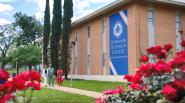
(36, 7)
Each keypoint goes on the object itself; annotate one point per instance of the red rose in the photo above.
(183, 68)
(19, 83)
(169, 92)
(150, 50)
(137, 79)
(162, 67)
(34, 85)
(25, 75)
(144, 58)
(183, 43)
(5, 98)
(35, 76)
(179, 84)
(157, 49)
(4, 75)
(128, 78)
(100, 100)
(8, 87)
(167, 47)
(119, 89)
(135, 86)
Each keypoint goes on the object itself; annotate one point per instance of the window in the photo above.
(151, 31)
(88, 32)
(76, 44)
(104, 45)
(88, 50)
(178, 27)
(88, 60)
(104, 60)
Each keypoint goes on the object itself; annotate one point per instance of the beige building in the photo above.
(110, 40)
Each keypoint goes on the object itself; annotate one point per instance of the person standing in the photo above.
(51, 76)
(45, 74)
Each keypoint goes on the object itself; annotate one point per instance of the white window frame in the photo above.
(151, 29)
(178, 27)
(76, 44)
(151, 26)
(88, 49)
(104, 45)
(76, 52)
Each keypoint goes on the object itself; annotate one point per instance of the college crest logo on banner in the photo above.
(119, 43)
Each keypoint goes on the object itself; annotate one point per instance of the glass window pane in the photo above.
(151, 21)
(150, 14)
(177, 25)
(88, 31)
(177, 18)
(104, 59)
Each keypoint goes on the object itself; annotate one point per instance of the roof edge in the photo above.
(172, 2)
(119, 3)
(100, 11)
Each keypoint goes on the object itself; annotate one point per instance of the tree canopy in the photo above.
(26, 56)
(7, 37)
(56, 34)
(68, 14)
(46, 33)
(28, 28)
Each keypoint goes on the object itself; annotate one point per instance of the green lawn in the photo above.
(92, 85)
(54, 96)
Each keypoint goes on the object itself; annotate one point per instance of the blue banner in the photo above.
(119, 43)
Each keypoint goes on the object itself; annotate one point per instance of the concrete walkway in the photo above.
(76, 91)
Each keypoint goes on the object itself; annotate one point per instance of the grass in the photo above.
(54, 96)
(92, 85)
(11, 71)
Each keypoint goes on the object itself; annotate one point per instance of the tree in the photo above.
(56, 34)
(46, 33)
(7, 37)
(28, 28)
(68, 14)
(29, 55)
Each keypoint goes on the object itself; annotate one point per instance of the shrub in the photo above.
(156, 81)
(28, 80)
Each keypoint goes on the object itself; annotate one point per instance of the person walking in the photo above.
(51, 76)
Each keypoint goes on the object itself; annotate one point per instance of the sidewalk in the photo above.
(76, 91)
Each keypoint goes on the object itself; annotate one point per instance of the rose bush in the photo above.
(157, 81)
(28, 80)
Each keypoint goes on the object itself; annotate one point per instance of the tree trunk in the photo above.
(3, 65)
(3, 56)
(30, 67)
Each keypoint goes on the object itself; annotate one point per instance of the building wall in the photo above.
(183, 20)
(81, 59)
(138, 42)
(96, 49)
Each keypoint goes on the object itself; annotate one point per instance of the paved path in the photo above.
(77, 91)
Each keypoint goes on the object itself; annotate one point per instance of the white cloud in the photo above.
(41, 7)
(84, 7)
(100, 1)
(4, 21)
(85, 12)
(80, 7)
(6, 8)
(7, 0)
